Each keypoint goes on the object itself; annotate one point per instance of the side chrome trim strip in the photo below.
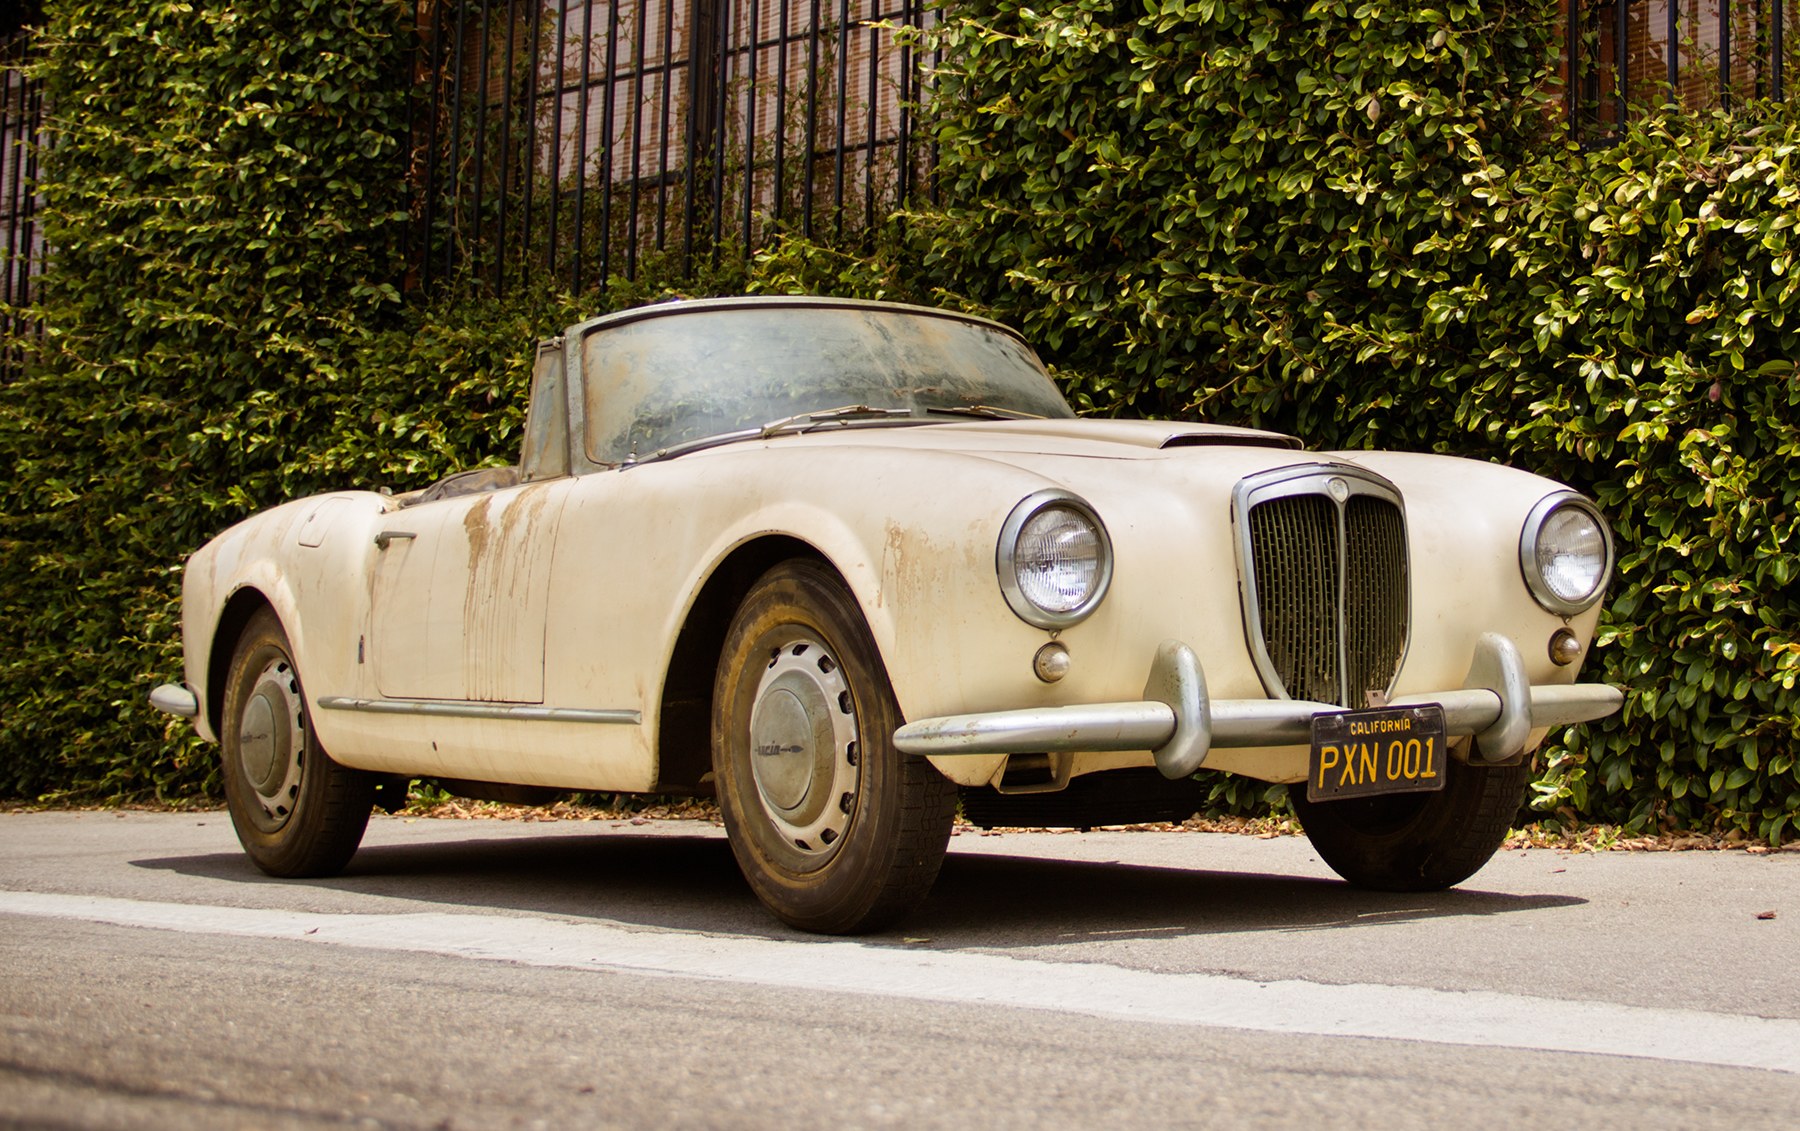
(459, 709)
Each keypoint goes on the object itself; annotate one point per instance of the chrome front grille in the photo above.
(1323, 556)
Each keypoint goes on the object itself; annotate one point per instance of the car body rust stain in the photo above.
(511, 537)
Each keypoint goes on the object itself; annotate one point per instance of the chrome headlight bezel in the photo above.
(1528, 547)
(1006, 559)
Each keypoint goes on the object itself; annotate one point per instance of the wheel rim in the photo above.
(272, 743)
(803, 748)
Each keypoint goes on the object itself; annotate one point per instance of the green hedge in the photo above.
(1357, 222)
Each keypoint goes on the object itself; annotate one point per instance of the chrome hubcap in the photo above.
(803, 748)
(272, 741)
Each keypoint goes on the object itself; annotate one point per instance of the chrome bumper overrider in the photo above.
(1180, 723)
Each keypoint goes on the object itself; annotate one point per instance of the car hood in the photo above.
(1079, 437)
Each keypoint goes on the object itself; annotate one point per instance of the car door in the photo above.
(460, 595)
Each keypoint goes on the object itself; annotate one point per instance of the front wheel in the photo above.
(835, 830)
(297, 813)
(1416, 841)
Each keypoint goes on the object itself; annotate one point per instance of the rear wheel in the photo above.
(297, 813)
(1417, 841)
(834, 829)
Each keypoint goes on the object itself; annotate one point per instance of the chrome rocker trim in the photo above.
(456, 709)
(1180, 724)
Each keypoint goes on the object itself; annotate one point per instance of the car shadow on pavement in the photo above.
(1061, 901)
(690, 882)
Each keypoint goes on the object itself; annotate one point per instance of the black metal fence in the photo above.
(580, 140)
(583, 139)
(21, 238)
(1629, 54)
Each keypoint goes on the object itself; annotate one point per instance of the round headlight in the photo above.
(1565, 553)
(1054, 560)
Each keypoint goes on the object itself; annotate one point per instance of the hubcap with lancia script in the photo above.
(272, 743)
(803, 746)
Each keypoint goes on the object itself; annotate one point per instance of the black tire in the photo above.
(834, 829)
(1416, 841)
(297, 813)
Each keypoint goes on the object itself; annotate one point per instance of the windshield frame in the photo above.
(591, 385)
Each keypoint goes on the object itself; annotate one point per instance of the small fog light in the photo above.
(1051, 662)
(1564, 648)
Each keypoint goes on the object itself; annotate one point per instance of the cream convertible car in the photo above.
(837, 562)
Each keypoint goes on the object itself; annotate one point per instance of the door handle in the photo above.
(386, 536)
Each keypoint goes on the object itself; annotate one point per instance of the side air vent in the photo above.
(1230, 440)
(1322, 562)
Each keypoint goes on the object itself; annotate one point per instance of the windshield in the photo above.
(677, 379)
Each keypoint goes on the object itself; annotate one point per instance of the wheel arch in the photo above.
(684, 726)
(239, 608)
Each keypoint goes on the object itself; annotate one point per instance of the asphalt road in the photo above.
(508, 974)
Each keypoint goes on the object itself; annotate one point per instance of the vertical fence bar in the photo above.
(409, 162)
(1674, 52)
(937, 63)
(1725, 54)
(556, 134)
(455, 201)
(1621, 58)
(434, 107)
(812, 121)
(781, 91)
(14, 261)
(843, 109)
(716, 143)
(506, 152)
(12, 169)
(1572, 64)
(587, 71)
(637, 138)
(1777, 45)
(668, 98)
(1758, 49)
(698, 72)
(34, 254)
(529, 170)
(903, 159)
(482, 107)
(607, 101)
(874, 96)
(752, 93)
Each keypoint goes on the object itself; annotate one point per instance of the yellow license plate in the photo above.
(1381, 750)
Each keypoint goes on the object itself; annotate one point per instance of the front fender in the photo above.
(307, 560)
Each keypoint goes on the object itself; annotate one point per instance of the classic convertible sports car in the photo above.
(842, 563)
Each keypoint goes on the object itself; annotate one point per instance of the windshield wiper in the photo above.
(806, 421)
(686, 446)
(801, 421)
(985, 412)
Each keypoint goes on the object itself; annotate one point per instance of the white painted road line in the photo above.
(1406, 1013)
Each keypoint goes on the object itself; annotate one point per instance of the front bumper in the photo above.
(1180, 723)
